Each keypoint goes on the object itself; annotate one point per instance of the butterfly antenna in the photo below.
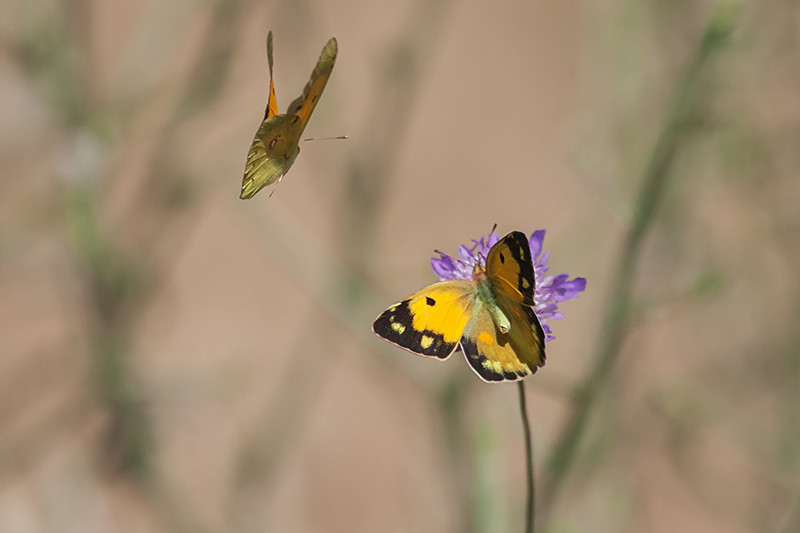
(493, 228)
(276, 185)
(327, 138)
(446, 255)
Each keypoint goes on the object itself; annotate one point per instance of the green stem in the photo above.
(680, 116)
(526, 427)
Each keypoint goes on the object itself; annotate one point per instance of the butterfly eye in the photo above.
(272, 143)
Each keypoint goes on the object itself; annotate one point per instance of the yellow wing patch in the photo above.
(431, 321)
(442, 308)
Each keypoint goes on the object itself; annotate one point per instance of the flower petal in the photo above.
(443, 267)
(536, 240)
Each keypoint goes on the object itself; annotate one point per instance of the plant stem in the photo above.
(681, 114)
(526, 427)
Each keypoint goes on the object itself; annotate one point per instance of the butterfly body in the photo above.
(490, 316)
(276, 143)
(485, 294)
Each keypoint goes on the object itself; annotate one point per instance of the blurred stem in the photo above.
(791, 523)
(526, 427)
(680, 116)
(109, 279)
(398, 81)
(110, 286)
(451, 403)
(389, 114)
(58, 55)
(280, 428)
(168, 185)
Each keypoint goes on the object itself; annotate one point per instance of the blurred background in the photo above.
(173, 359)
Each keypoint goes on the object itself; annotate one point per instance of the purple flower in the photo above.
(549, 290)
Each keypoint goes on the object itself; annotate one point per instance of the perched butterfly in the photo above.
(277, 140)
(491, 316)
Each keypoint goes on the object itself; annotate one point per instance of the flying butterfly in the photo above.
(277, 141)
(490, 317)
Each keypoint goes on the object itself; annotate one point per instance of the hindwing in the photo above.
(498, 356)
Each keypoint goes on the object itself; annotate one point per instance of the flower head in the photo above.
(549, 290)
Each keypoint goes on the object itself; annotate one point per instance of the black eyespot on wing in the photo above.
(430, 301)
(502, 258)
(396, 325)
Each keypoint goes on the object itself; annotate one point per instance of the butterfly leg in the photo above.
(276, 185)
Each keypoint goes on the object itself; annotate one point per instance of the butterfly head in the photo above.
(479, 272)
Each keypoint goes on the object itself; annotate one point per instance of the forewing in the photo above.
(497, 356)
(272, 103)
(304, 105)
(509, 268)
(431, 321)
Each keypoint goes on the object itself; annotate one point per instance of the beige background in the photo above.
(175, 359)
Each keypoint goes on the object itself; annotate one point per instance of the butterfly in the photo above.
(276, 144)
(490, 317)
